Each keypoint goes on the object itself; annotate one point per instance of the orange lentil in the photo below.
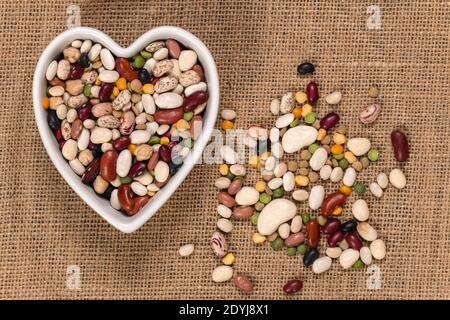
(337, 149)
(121, 83)
(297, 112)
(45, 103)
(132, 148)
(345, 190)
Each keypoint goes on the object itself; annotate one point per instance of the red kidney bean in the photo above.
(174, 48)
(331, 226)
(136, 169)
(173, 144)
(292, 286)
(57, 82)
(234, 187)
(332, 201)
(58, 135)
(61, 144)
(91, 145)
(243, 212)
(312, 233)
(85, 111)
(91, 171)
(335, 238)
(167, 134)
(312, 92)
(155, 80)
(125, 70)
(108, 165)
(125, 196)
(105, 92)
(329, 121)
(138, 203)
(164, 153)
(353, 241)
(400, 145)
(294, 239)
(153, 161)
(225, 199)
(191, 102)
(76, 71)
(198, 68)
(121, 143)
(168, 116)
(196, 126)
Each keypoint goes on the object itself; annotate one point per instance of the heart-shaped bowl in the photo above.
(102, 206)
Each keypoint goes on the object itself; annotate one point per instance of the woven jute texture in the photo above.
(45, 228)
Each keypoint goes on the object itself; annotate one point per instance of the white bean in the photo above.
(114, 200)
(123, 163)
(138, 188)
(224, 225)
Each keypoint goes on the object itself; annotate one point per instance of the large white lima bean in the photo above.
(298, 137)
(359, 146)
(274, 214)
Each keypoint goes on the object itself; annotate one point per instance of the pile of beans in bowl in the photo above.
(125, 125)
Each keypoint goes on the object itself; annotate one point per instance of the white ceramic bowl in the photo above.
(100, 205)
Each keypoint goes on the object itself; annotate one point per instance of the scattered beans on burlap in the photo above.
(327, 153)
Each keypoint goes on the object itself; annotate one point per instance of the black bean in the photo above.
(348, 226)
(52, 120)
(144, 76)
(305, 68)
(310, 257)
(107, 193)
(175, 165)
(97, 150)
(84, 60)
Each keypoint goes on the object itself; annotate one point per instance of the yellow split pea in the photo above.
(307, 108)
(300, 97)
(258, 238)
(301, 181)
(260, 186)
(321, 134)
(223, 169)
(229, 259)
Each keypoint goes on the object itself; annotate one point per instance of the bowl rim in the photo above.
(102, 206)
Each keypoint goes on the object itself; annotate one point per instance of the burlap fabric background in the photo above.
(257, 45)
